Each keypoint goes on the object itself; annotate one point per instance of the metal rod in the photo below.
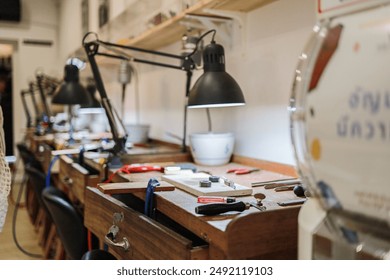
(90, 49)
(140, 60)
(276, 183)
(140, 50)
(25, 107)
(34, 101)
(123, 101)
(42, 95)
(209, 119)
(188, 87)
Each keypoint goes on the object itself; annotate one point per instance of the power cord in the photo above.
(38, 256)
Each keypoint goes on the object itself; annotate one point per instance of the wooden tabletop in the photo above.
(220, 230)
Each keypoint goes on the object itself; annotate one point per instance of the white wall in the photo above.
(276, 36)
(263, 64)
(69, 31)
(39, 21)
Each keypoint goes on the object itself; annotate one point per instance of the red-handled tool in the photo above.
(139, 168)
(135, 168)
(242, 171)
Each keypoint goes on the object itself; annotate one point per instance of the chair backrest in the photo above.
(68, 221)
(37, 179)
(28, 157)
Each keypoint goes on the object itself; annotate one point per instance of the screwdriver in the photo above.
(219, 208)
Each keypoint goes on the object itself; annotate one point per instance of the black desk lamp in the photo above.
(215, 88)
(43, 121)
(71, 92)
(91, 89)
(235, 95)
(94, 105)
(46, 84)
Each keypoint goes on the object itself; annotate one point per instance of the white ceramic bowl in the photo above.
(137, 133)
(211, 148)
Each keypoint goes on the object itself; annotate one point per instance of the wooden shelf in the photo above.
(171, 30)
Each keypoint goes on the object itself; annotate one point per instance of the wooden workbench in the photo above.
(73, 178)
(178, 232)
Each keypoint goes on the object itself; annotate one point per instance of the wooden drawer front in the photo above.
(274, 235)
(74, 178)
(147, 238)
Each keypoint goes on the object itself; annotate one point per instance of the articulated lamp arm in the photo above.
(23, 94)
(92, 50)
(216, 89)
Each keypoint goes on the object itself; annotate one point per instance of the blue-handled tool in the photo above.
(152, 184)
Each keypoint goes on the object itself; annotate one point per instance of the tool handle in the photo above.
(218, 208)
(292, 202)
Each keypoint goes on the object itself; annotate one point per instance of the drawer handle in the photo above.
(68, 181)
(122, 244)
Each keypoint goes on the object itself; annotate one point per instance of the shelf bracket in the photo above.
(223, 25)
(227, 23)
(238, 17)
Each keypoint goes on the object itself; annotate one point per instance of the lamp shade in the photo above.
(94, 103)
(215, 88)
(70, 91)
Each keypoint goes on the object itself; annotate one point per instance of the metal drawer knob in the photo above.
(113, 231)
(67, 180)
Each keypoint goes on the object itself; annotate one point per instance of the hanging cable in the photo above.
(33, 255)
(48, 176)
(209, 119)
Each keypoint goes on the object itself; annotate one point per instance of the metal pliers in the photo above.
(149, 203)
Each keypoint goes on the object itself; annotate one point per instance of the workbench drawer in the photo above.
(147, 238)
(74, 178)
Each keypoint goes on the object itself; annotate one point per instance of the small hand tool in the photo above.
(219, 208)
(241, 171)
(285, 188)
(281, 184)
(228, 182)
(134, 168)
(149, 207)
(204, 183)
(259, 198)
(138, 168)
(276, 183)
(214, 179)
(292, 202)
(215, 199)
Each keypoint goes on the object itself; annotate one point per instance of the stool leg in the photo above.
(50, 245)
(60, 252)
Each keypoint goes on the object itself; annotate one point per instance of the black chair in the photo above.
(68, 221)
(43, 222)
(98, 254)
(37, 181)
(28, 157)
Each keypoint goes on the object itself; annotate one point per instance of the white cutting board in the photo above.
(190, 184)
